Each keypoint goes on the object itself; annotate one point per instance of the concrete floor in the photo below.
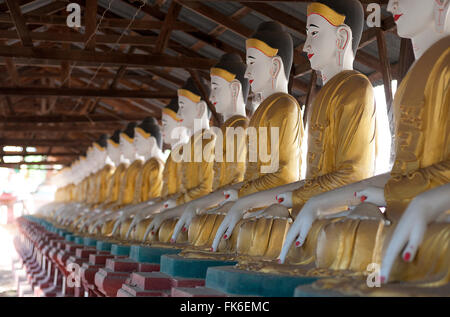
(7, 288)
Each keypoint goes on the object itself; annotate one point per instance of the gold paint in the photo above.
(113, 143)
(171, 113)
(215, 71)
(126, 137)
(141, 131)
(188, 94)
(261, 46)
(327, 13)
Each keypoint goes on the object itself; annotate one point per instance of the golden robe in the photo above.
(114, 185)
(148, 186)
(341, 150)
(280, 111)
(421, 108)
(197, 176)
(226, 172)
(102, 183)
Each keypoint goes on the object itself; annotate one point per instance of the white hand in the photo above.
(374, 195)
(285, 199)
(170, 203)
(184, 222)
(410, 232)
(154, 225)
(229, 222)
(136, 219)
(118, 222)
(299, 229)
(230, 195)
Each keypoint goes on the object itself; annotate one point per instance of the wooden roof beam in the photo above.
(85, 92)
(19, 22)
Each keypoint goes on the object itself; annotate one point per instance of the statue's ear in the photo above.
(277, 67)
(201, 109)
(441, 10)
(236, 88)
(343, 42)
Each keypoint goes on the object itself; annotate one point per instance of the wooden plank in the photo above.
(33, 127)
(32, 19)
(166, 29)
(58, 154)
(406, 59)
(91, 24)
(95, 118)
(85, 92)
(19, 22)
(12, 71)
(107, 58)
(48, 142)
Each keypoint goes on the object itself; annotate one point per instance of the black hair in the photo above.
(102, 140)
(150, 125)
(354, 17)
(129, 130)
(233, 63)
(272, 34)
(116, 136)
(192, 87)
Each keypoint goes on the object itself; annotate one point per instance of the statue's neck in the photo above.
(280, 86)
(238, 110)
(198, 126)
(333, 69)
(424, 40)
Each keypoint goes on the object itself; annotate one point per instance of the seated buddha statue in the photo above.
(197, 158)
(274, 133)
(229, 91)
(114, 151)
(101, 170)
(357, 238)
(173, 134)
(148, 185)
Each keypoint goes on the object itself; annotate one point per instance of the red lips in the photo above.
(397, 16)
(310, 56)
(250, 81)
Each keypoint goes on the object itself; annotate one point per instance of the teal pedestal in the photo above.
(79, 240)
(90, 242)
(120, 249)
(231, 280)
(70, 237)
(148, 254)
(103, 245)
(180, 266)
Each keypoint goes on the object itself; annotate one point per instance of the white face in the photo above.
(168, 125)
(411, 16)
(259, 70)
(128, 149)
(221, 94)
(320, 45)
(144, 145)
(113, 152)
(187, 111)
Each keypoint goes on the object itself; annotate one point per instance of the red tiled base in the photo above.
(134, 291)
(109, 282)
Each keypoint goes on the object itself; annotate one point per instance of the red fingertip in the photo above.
(184, 229)
(227, 196)
(225, 236)
(363, 198)
(153, 232)
(383, 279)
(354, 194)
(211, 249)
(297, 243)
(407, 256)
(172, 240)
(281, 200)
(279, 261)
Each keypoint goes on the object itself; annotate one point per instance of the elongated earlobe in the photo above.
(201, 109)
(442, 15)
(343, 43)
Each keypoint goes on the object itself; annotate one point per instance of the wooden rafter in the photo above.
(91, 23)
(19, 22)
(164, 34)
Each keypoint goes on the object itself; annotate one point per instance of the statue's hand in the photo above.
(136, 219)
(170, 203)
(184, 222)
(119, 221)
(227, 226)
(299, 229)
(285, 199)
(154, 225)
(230, 195)
(374, 195)
(410, 232)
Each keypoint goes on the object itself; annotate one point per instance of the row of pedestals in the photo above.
(53, 262)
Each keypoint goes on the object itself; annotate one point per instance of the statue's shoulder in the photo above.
(282, 103)
(237, 121)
